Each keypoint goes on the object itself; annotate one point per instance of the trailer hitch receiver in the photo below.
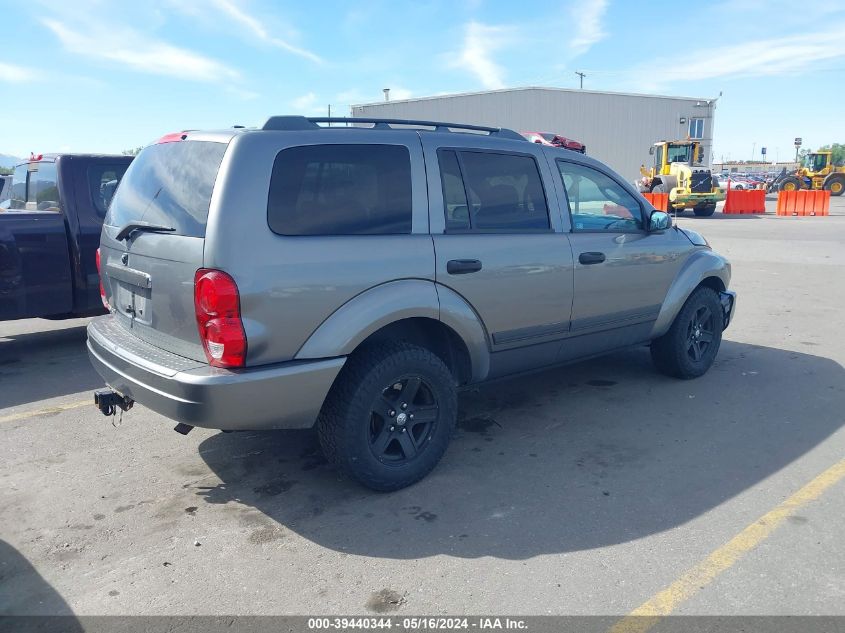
(109, 401)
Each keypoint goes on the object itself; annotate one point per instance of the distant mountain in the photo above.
(9, 161)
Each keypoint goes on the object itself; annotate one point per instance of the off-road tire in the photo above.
(838, 179)
(790, 180)
(658, 188)
(705, 210)
(670, 353)
(343, 425)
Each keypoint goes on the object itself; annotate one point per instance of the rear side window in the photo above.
(169, 184)
(341, 190)
(501, 192)
(102, 184)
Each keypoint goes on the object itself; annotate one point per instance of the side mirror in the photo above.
(659, 221)
(651, 151)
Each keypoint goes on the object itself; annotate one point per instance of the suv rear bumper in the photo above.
(281, 396)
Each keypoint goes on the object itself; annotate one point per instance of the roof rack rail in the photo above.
(310, 123)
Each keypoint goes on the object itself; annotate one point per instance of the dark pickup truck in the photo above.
(50, 232)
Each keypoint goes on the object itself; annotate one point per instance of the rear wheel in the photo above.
(835, 184)
(390, 415)
(790, 183)
(688, 349)
(705, 210)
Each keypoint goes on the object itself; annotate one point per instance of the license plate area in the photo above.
(134, 302)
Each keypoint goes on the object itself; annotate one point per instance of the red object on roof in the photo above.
(555, 140)
(173, 137)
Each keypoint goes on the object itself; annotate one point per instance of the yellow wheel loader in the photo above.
(679, 171)
(817, 172)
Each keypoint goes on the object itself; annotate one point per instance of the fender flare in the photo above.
(834, 175)
(366, 313)
(698, 267)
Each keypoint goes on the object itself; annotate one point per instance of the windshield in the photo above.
(169, 184)
(815, 162)
(679, 153)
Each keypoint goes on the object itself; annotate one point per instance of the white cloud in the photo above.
(587, 22)
(141, 53)
(305, 102)
(236, 13)
(476, 56)
(777, 56)
(398, 93)
(16, 74)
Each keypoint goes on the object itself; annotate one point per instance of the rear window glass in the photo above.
(102, 183)
(341, 190)
(169, 184)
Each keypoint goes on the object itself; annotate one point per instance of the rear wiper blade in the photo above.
(130, 228)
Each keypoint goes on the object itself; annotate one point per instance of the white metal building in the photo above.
(617, 128)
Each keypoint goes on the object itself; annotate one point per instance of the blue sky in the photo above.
(107, 75)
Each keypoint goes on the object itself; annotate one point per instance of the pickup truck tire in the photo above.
(688, 349)
(390, 415)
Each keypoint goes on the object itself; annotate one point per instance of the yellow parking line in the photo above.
(665, 602)
(23, 415)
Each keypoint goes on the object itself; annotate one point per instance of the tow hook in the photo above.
(108, 402)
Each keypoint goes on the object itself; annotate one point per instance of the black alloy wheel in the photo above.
(402, 421)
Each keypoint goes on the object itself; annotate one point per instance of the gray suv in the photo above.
(356, 275)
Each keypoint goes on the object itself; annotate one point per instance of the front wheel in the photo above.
(835, 184)
(790, 183)
(705, 210)
(390, 415)
(690, 346)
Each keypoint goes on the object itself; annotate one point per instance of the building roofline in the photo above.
(524, 88)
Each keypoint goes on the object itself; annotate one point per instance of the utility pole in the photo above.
(753, 149)
(581, 76)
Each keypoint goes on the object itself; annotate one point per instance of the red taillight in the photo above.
(102, 289)
(218, 308)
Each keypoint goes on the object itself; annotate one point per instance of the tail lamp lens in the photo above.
(102, 289)
(218, 310)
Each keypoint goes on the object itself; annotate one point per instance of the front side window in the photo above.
(597, 202)
(20, 178)
(492, 191)
(341, 190)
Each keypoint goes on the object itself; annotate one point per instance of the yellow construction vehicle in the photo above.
(817, 172)
(679, 171)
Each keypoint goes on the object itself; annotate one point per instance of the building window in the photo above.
(696, 128)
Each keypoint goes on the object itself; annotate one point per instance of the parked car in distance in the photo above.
(735, 183)
(49, 234)
(555, 140)
(356, 277)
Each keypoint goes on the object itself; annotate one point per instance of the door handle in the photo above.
(591, 258)
(462, 266)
